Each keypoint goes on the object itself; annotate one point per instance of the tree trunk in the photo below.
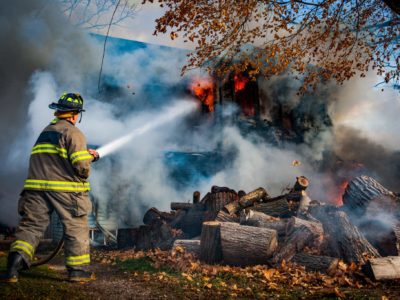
(278, 208)
(151, 216)
(252, 197)
(360, 191)
(210, 245)
(323, 264)
(383, 268)
(225, 217)
(344, 240)
(190, 246)
(192, 222)
(246, 245)
(383, 236)
(259, 219)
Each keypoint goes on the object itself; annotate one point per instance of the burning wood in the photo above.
(275, 229)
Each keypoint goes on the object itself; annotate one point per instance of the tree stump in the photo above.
(258, 219)
(210, 245)
(126, 237)
(252, 197)
(190, 246)
(245, 245)
(316, 263)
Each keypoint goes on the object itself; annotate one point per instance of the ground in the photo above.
(165, 275)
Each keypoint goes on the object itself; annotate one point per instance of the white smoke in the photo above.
(128, 182)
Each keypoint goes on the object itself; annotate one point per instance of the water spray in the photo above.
(178, 109)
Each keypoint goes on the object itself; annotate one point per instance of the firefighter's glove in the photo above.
(95, 154)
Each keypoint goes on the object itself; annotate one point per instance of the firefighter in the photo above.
(57, 181)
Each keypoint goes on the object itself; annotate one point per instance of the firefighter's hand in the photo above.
(95, 154)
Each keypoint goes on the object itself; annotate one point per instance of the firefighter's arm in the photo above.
(78, 154)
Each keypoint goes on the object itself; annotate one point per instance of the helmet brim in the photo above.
(59, 107)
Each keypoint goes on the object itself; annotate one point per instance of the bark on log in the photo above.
(156, 235)
(252, 197)
(314, 227)
(278, 208)
(383, 268)
(231, 208)
(245, 245)
(259, 219)
(241, 193)
(181, 205)
(216, 201)
(190, 246)
(192, 221)
(322, 264)
(210, 245)
(360, 191)
(219, 189)
(344, 240)
(300, 233)
(225, 217)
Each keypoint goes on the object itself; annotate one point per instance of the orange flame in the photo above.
(240, 82)
(342, 187)
(203, 89)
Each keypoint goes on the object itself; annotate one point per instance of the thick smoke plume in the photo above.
(45, 57)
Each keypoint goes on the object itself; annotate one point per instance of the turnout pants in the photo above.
(35, 208)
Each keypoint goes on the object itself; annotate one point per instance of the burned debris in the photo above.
(240, 229)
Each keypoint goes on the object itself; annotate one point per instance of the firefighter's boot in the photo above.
(15, 264)
(80, 275)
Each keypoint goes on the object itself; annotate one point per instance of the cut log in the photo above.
(252, 197)
(314, 227)
(246, 245)
(259, 219)
(210, 245)
(151, 216)
(225, 217)
(216, 201)
(360, 191)
(126, 237)
(301, 184)
(300, 233)
(196, 197)
(278, 208)
(316, 263)
(383, 268)
(181, 205)
(221, 189)
(156, 235)
(190, 246)
(192, 221)
(344, 240)
(241, 193)
(231, 208)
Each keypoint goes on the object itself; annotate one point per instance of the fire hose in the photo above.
(49, 257)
